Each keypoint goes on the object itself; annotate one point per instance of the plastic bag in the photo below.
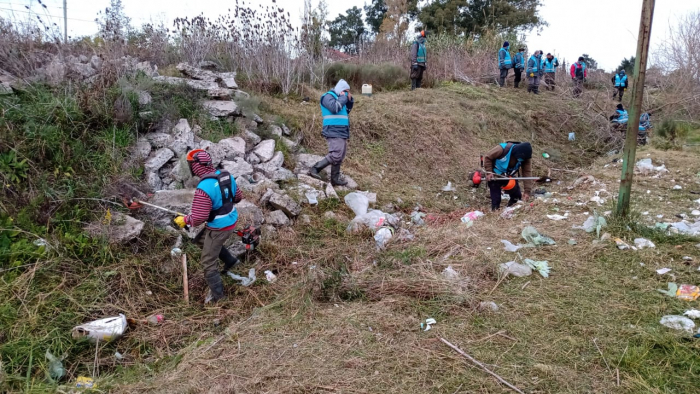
(103, 330)
(572, 136)
(510, 247)
(642, 243)
(383, 236)
(470, 217)
(450, 273)
(541, 266)
(244, 281)
(676, 322)
(558, 217)
(55, 367)
(515, 269)
(534, 238)
(449, 187)
(645, 166)
(359, 203)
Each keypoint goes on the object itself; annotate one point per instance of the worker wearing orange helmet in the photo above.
(504, 160)
(213, 204)
(418, 60)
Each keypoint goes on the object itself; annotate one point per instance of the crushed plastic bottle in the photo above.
(155, 319)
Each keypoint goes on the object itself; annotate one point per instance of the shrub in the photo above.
(385, 76)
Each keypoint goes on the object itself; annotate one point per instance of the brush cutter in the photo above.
(136, 204)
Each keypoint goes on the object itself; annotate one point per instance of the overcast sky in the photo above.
(605, 29)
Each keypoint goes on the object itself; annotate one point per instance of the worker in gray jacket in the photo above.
(336, 105)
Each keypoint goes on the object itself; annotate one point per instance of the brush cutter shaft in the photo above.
(157, 207)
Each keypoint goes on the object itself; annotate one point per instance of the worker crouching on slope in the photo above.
(213, 203)
(335, 108)
(418, 60)
(508, 159)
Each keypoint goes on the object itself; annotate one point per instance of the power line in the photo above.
(48, 15)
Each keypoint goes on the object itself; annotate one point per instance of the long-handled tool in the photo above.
(136, 204)
(522, 178)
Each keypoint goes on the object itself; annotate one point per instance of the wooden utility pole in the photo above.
(65, 21)
(640, 71)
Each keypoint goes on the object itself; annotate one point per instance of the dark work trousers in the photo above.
(550, 81)
(213, 249)
(495, 189)
(620, 90)
(417, 76)
(578, 87)
(518, 75)
(504, 75)
(533, 84)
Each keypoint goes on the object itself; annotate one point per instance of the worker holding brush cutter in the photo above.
(213, 203)
(504, 162)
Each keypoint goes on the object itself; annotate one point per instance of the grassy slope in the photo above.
(345, 317)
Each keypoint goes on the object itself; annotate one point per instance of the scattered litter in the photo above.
(358, 202)
(558, 217)
(55, 367)
(405, 235)
(470, 217)
(510, 247)
(428, 324)
(621, 244)
(584, 179)
(311, 197)
(176, 252)
(417, 218)
(695, 212)
(572, 242)
(84, 382)
(597, 198)
(515, 269)
(118, 356)
(449, 187)
(687, 258)
(509, 212)
(645, 166)
(383, 236)
(661, 226)
(546, 155)
(534, 238)
(605, 236)
(645, 213)
(662, 271)
(488, 306)
(40, 242)
(541, 266)
(245, 281)
(572, 136)
(270, 276)
(103, 330)
(642, 243)
(672, 290)
(677, 187)
(692, 313)
(685, 227)
(676, 322)
(374, 220)
(450, 273)
(155, 319)
(688, 292)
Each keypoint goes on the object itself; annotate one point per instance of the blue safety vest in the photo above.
(420, 54)
(619, 82)
(519, 60)
(500, 166)
(221, 189)
(331, 119)
(506, 59)
(549, 65)
(644, 122)
(534, 69)
(623, 118)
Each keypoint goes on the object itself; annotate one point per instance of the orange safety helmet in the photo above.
(191, 155)
(422, 33)
(510, 185)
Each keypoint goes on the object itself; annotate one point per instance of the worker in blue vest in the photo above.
(620, 117)
(505, 63)
(549, 67)
(620, 83)
(533, 72)
(518, 66)
(418, 60)
(335, 108)
(508, 159)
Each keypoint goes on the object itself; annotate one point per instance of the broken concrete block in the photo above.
(154, 181)
(305, 161)
(330, 192)
(232, 147)
(158, 159)
(228, 80)
(158, 140)
(197, 73)
(237, 167)
(221, 109)
(141, 150)
(277, 218)
(313, 182)
(251, 138)
(120, 228)
(220, 93)
(276, 131)
(249, 214)
(265, 150)
(286, 204)
(283, 175)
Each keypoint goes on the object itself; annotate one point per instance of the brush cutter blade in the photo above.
(131, 204)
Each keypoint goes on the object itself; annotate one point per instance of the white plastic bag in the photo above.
(450, 273)
(382, 237)
(642, 243)
(359, 203)
(510, 247)
(515, 269)
(103, 330)
(572, 136)
(244, 281)
(676, 322)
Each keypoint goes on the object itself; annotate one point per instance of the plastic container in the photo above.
(367, 90)
(103, 330)
(155, 319)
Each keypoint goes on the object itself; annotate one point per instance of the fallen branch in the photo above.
(473, 360)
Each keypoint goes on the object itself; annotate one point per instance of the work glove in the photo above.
(625, 89)
(532, 74)
(180, 221)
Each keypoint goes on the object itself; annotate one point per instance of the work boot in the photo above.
(228, 259)
(419, 82)
(314, 172)
(501, 82)
(336, 178)
(413, 84)
(216, 287)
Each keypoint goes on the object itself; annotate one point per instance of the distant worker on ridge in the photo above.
(336, 105)
(620, 83)
(518, 66)
(504, 62)
(418, 60)
(507, 160)
(579, 75)
(549, 65)
(533, 72)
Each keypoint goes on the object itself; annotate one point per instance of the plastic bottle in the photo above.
(155, 319)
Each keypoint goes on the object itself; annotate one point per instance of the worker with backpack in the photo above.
(578, 75)
(506, 160)
(418, 60)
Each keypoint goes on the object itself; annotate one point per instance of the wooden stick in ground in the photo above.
(185, 283)
(473, 360)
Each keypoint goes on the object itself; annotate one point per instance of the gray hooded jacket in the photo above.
(335, 106)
